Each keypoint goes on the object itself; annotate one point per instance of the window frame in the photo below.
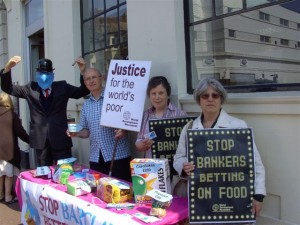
(264, 16)
(107, 46)
(231, 33)
(284, 22)
(265, 39)
(214, 17)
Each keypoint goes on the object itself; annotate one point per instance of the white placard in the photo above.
(125, 94)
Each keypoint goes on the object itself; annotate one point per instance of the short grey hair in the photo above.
(209, 82)
(94, 70)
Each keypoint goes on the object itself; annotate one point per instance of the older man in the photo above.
(102, 139)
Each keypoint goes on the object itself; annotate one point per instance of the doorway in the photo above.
(36, 51)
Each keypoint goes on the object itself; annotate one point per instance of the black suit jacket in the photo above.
(51, 124)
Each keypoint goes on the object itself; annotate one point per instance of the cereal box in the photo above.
(148, 174)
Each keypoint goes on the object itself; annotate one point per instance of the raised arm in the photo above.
(81, 64)
(11, 63)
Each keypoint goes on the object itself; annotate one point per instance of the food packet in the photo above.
(62, 173)
(112, 190)
(160, 201)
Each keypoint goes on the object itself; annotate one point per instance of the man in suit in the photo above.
(47, 101)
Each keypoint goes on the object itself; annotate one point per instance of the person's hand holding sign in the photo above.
(256, 207)
(119, 134)
(188, 168)
(144, 145)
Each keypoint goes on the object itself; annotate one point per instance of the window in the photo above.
(34, 32)
(264, 16)
(34, 11)
(284, 42)
(250, 58)
(298, 26)
(104, 32)
(298, 44)
(284, 22)
(265, 39)
(231, 33)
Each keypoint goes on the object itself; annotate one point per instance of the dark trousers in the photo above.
(48, 156)
(121, 167)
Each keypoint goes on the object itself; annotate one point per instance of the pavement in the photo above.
(10, 214)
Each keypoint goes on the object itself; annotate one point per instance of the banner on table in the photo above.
(167, 132)
(125, 94)
(44, 205)
(222, 184)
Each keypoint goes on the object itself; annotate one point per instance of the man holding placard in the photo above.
(102, 139)
(107, 115)
(217, 155)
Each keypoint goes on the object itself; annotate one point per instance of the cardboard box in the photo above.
(112, 190)
(149, 174)
(78, 187)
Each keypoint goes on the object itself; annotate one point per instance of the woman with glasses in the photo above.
(210, 96)
(158, 91)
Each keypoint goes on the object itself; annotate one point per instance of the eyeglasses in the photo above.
(213, 95)
(88, 79)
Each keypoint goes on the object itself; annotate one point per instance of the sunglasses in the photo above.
(213, 95)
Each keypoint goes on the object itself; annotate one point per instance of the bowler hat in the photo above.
(44, 65)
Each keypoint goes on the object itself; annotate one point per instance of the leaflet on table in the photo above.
(120, 205)
(43, 171)
(145, 218)
(68, 160)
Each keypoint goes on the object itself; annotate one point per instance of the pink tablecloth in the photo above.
(178, 210)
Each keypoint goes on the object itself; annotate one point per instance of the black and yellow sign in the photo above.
(167, 135)
(222, 184)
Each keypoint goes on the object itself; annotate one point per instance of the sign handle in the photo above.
(113, 157)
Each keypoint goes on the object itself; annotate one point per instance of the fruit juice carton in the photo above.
(149, 174)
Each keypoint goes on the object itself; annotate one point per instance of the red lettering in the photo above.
(47, 204)
(43, 203)
(49, 221)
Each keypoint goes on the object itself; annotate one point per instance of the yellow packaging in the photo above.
(112, 190)
(149, 174)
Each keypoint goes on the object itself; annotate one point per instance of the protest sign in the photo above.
(222, 184)
(125, 93)
(167, 132)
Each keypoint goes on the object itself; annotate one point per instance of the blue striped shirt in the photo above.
(101, 138)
